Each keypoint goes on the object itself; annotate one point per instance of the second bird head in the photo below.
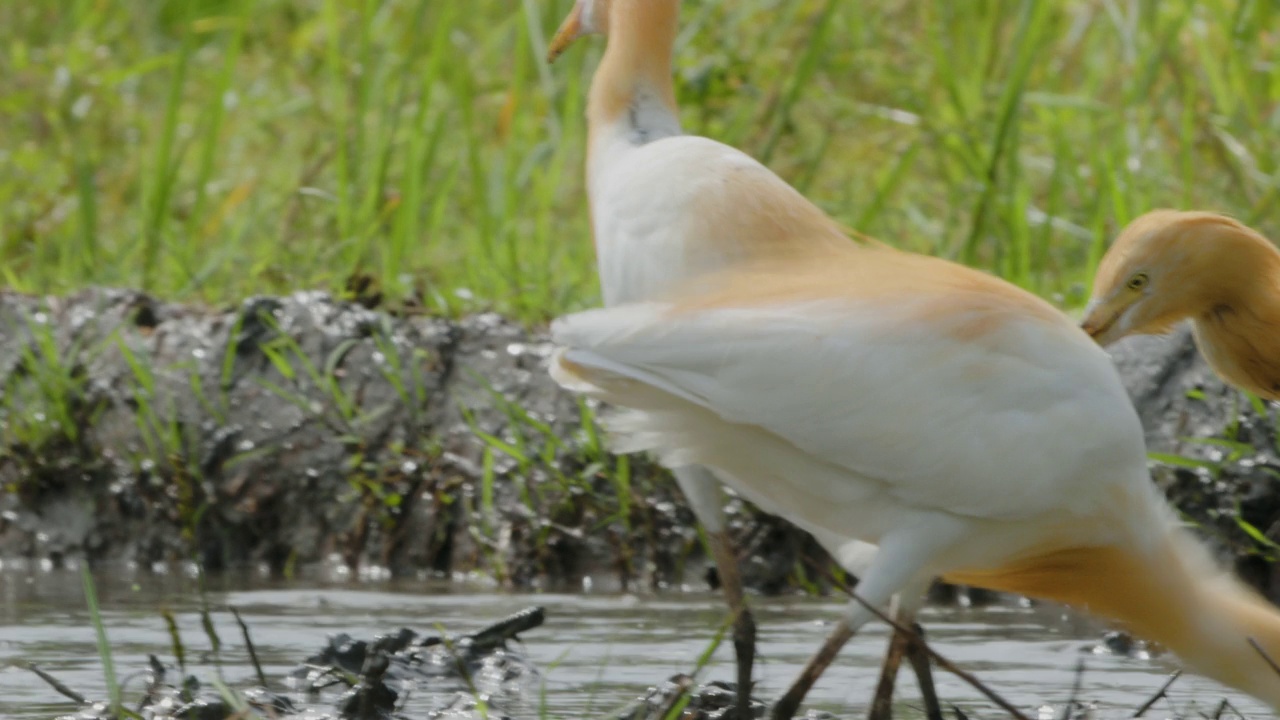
(1168, 266)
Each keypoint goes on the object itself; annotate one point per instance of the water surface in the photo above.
(597, 651)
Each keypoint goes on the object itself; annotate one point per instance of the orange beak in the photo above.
(570, 30)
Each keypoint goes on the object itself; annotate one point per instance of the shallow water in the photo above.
(597, 651)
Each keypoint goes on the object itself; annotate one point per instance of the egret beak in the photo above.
(1101, 319)
(571, 29)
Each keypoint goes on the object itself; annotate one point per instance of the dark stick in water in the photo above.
(248, 641)
(57, 685)
(1162, 692)
(1274, 667)
(507, 628)
(1075, 692)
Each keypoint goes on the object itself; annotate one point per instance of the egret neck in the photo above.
(632, 95)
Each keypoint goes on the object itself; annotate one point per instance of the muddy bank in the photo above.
(288, 431)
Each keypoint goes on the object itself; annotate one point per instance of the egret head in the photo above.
(1167, 266)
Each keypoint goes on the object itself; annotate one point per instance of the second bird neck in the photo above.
(1238, 330)
(632, 94)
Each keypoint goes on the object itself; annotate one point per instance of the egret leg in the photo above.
(882, 702)
(900, 560)
(702, 490)
(912, 648)
(923, 665)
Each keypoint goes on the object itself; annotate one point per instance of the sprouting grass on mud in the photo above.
(211, 149)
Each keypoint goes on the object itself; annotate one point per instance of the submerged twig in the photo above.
(1162, 692)
(1075, 691)
(248, 641)
(943, 663)
(57, 684)
(1223, 706)
(1274, 667)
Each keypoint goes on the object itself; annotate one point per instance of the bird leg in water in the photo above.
(918, 656)
(744, 625)
(882, 703)
(702, 489)
(787, 706)
(911, 646)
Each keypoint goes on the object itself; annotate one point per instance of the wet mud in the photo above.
(287, 431)
(290, 431)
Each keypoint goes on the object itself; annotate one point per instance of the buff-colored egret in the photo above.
(966, 427)
(666, 207)
(1168, 266)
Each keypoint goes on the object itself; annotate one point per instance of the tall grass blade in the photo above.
(104, 647)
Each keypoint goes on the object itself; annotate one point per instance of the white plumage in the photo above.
(863, 416)
(963, 425)
(666, 208)
(683, 206)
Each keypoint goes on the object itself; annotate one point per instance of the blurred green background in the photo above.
(212, 149)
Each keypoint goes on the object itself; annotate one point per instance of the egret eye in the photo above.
(1137, 282)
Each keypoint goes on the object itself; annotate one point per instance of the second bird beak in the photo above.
(1099, 319)
(570, 30)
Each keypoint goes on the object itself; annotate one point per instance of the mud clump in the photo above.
(358, 680)
(290, 431)
(403, 675)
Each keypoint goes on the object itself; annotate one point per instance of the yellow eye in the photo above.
(1137, 282)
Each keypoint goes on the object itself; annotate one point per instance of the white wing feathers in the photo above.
(856, 386)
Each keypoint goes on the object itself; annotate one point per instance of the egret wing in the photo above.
(1001, 424)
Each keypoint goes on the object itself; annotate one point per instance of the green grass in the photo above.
(211, 149)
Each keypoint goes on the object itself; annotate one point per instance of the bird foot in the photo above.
(744, 648)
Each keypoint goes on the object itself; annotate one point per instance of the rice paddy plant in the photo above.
(104, 646)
